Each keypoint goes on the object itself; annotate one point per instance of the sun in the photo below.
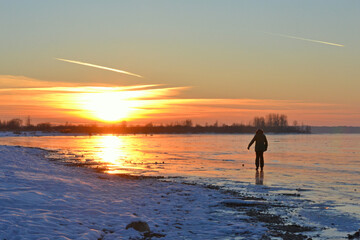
(107, 106)
(112, 104)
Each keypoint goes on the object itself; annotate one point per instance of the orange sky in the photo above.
(78, 103)
(167, 61)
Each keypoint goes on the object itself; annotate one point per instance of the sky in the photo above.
(225, 61)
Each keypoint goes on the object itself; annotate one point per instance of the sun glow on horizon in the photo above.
(113, 105)
(58, 103)
(107, 106)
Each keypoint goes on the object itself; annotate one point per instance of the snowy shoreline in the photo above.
(43, 199)
(40, 199)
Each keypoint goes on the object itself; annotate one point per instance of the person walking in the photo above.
(261, 145)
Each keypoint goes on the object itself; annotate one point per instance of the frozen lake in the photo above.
(318, 174)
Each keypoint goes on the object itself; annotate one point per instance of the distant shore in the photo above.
(317, 130)
(335, 129)
(173, 129)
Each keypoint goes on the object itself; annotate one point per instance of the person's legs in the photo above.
(261, 157)
(257, 160)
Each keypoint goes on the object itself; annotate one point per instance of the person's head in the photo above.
(259, 131)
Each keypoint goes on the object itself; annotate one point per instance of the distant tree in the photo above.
(272, 120)
(188, 123)
(14, 123)
(259, 122)
(28, 121)
(283, 120)
(216, 124)
(276, 120)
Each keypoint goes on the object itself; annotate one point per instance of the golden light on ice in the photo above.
(111, 150)
(114, 153)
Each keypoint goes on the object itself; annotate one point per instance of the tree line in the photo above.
(276, 123)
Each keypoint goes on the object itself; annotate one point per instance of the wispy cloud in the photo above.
(100, 67)
(10, 81)
(305, 39)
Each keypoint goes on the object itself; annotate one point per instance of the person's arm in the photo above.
(252, 141)
(266, 143)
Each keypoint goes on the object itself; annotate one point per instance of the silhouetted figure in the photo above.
(259, 178)
(261, 145)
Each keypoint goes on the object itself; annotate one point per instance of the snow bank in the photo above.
(43, 200)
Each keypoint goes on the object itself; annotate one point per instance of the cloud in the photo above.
(10, 81)
(98, 66)
(305, 39)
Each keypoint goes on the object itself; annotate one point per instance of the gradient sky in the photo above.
(222, 60)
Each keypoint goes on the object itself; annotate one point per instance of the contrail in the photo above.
(305, 39)
(98, 66)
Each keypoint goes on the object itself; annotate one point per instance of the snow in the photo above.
(40, 199)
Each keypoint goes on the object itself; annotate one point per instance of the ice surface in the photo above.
(309, 180)
(43, 200)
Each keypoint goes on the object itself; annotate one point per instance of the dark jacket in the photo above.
(261, 144)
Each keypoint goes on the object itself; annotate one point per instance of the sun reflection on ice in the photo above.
(115, 155)
(111, 150)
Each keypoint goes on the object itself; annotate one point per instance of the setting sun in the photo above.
(114, 104)
(108, 106)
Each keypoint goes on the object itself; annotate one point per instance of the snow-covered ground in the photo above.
(40, 199)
